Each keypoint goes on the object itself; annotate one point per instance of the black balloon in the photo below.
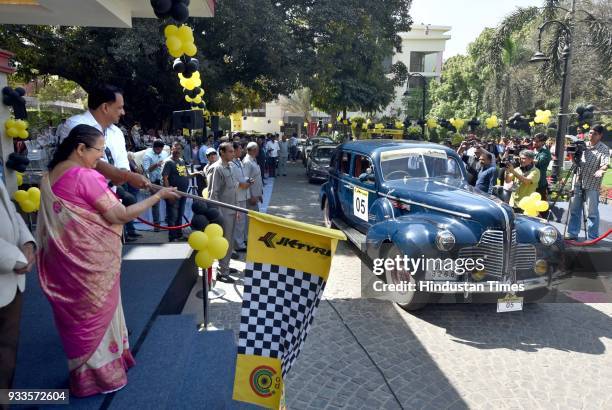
(213, 215)
(193, 65)
(180, 12)
(580, 109)
(199, 207)
(178, 66)
(17, 162)
(161, 6)
(202, 105)
(192, 93)
(199, 222)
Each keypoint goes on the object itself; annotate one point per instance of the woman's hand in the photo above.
(168, 193)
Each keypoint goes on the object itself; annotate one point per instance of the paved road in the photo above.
(364, 353)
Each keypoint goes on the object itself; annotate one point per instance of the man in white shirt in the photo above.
(105, 105)
(17, 255)
(242, 195)
(272, 149)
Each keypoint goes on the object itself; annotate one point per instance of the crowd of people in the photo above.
(514, 168)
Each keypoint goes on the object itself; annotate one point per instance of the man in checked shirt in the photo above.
(586, 184)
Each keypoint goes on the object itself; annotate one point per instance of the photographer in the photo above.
(593, 162)
(471, 158)
(525, 178)
(542, 159)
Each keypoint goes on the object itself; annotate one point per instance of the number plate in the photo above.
(360, 203)
(441, 275)
(509, 304)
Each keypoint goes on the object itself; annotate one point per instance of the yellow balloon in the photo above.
(213, 231)
(170, 30)
(27, 206)
(491, 122)
(19, 179)
(197, 100)
(541, 206)
(21, 124)
(218, 247)
(204, 259)
(198, 240)
(23, 134)
(190, 49)
(531, 212)
(536, 196)
(188, 98)
(12, 132)
(524, 202)
(34, 194)
(432, 123)
(173, 42)
(20, 196)
(185, 34)
(10, 123)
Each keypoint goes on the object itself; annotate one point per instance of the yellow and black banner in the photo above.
(288, 264)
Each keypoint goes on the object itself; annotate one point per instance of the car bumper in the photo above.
(316, 174)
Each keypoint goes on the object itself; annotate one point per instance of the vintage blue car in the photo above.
(411, 199)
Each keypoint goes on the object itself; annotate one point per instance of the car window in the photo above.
(418, 163)
(322, 153)
(345, 162)
(362, 165)
(334, 159)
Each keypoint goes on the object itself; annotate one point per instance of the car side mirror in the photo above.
(365, 177)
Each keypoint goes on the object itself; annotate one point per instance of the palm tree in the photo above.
(299, 102)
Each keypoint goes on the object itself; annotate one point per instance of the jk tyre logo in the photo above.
(264, 381)
(269, 239)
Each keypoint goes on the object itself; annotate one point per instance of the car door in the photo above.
(345, 187)
(364, 191)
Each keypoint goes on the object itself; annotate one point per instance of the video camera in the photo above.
(510, 160)
(577, 149)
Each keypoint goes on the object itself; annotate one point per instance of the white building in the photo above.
(422, 53)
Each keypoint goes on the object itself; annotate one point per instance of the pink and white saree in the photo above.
(79, 264)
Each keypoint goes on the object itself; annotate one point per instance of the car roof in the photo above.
(372, 147)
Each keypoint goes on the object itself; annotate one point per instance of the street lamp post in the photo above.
(424, 82)
(563, 117)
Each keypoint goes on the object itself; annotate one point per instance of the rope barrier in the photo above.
(166, 228)
(591, 242)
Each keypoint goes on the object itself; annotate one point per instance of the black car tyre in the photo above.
(408, 300)
(327, 220)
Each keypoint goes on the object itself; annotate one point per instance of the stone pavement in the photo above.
(370, 354)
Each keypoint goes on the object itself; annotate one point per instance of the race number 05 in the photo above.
(360, 204)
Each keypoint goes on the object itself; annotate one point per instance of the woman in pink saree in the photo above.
(79, 232)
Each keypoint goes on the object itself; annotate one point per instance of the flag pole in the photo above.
(210, 201)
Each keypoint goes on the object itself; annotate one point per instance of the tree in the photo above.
(348, 53)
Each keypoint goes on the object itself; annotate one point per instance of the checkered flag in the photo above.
(288, 264)
(278, 308)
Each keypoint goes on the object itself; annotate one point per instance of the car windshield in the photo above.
(418, 163)
(323, 153)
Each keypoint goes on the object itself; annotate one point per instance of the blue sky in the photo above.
(467, 17)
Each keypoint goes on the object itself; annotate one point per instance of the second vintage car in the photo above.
(410, 198)
(318, 162)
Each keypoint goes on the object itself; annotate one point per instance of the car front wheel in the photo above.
(405, 298)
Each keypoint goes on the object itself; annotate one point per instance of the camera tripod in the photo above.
(572, 173)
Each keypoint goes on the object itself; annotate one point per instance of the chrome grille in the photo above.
(491, 249)
(524, 256)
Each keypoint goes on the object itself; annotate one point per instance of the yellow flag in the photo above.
(287, 267)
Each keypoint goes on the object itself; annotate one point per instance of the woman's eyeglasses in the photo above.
(98, 149)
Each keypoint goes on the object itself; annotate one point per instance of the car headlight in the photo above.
(445, 240)
(547, 235)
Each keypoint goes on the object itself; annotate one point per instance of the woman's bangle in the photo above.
(157, 196)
